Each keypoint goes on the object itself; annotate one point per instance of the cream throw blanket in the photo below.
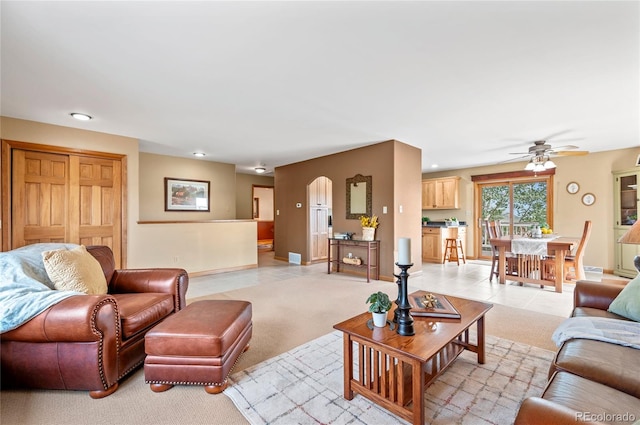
(621, 332)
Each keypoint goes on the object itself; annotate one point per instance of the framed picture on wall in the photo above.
(186, 195)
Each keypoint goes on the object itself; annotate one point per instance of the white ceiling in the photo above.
(273, 83)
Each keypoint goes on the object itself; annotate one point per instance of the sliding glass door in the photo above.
(518, 203)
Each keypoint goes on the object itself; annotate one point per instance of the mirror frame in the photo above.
(358, 178)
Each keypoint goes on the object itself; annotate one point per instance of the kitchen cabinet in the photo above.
(441, 193)
(431, 245)
(433, 241)
(626, 200)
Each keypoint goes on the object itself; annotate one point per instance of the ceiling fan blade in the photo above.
(519, 153)
(515, 159)
(556, 134)
(564, 140)
(569, 153)
(565, 147)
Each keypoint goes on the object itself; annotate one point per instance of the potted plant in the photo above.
(379, 305)
(369, 226)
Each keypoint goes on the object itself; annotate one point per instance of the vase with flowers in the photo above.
(369, 226)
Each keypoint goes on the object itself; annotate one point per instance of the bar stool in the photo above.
(453, 250)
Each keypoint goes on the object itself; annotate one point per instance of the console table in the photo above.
(370, 262)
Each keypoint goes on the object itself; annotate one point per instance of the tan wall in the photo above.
(244, 185)
(150, 245)
(407, 194)
(222, 183)
(378, 161)
(592, 172)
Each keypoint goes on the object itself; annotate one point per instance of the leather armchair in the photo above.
(90, 342)
(596, 295)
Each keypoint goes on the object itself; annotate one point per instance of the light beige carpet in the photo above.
(286, 314)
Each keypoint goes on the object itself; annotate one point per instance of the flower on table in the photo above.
(367, 221)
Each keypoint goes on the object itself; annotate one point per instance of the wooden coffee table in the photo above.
(394, 370)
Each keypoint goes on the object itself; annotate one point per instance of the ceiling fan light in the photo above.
(530, 166)
(549, 164)
(260, 170)
(538, 167)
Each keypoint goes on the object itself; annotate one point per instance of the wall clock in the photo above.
(588, 199)
(573, 187)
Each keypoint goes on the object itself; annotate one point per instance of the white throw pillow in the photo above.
(75, 270)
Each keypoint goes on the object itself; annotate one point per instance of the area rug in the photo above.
(305, 386)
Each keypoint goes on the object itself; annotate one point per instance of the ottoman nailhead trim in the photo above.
(217, 384)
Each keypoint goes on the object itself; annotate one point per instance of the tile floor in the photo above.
(469, 280)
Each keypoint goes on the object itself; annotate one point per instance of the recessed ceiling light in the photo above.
(434, 165)
(260, 170)
(81, 117)
(199, 154)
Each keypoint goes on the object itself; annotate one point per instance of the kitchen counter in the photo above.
(434, 237)
(443, 224)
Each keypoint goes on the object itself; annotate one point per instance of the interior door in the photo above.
(40, 198)
(319, 232)
(96, 190)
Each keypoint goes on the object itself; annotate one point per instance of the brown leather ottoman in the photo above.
(199, 345)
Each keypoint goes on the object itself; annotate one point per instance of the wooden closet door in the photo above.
(39, 198)
(95, 202)
(66, 198)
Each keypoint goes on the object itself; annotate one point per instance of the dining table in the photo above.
(531, 254)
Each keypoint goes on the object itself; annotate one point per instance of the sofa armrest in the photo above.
(595, 294)
(81, 318)
(538, 411)
(160, 280)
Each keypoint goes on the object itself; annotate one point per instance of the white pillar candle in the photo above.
(404, 251)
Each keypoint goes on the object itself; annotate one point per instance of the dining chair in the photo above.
(494, 230)
(574, 262)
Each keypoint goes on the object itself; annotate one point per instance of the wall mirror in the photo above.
(358, 196)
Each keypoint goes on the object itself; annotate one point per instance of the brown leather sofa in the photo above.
(90, 342)
(589, 381)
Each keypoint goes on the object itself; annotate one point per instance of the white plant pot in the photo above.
(380, 319)
(368, 233)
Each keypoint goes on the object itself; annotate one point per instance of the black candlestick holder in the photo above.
(402, 314)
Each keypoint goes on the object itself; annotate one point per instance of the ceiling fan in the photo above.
(541, 152)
